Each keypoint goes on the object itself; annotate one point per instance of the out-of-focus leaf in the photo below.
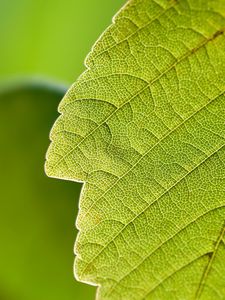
(36, 213)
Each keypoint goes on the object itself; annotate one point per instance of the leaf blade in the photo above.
(161, 125)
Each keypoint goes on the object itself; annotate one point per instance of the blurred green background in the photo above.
(43, 46)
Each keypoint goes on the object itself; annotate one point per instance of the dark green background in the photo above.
(43, 46)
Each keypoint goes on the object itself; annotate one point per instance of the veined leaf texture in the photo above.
(144, 128)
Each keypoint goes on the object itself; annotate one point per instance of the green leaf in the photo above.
(144, 129)
(37, 213)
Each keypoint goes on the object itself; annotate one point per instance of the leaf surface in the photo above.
(144, 128)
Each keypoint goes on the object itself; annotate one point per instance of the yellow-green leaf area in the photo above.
(144, 128)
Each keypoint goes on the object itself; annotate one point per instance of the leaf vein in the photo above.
(131, 221)
(166, 241)
(209, 265)
(185, 56)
